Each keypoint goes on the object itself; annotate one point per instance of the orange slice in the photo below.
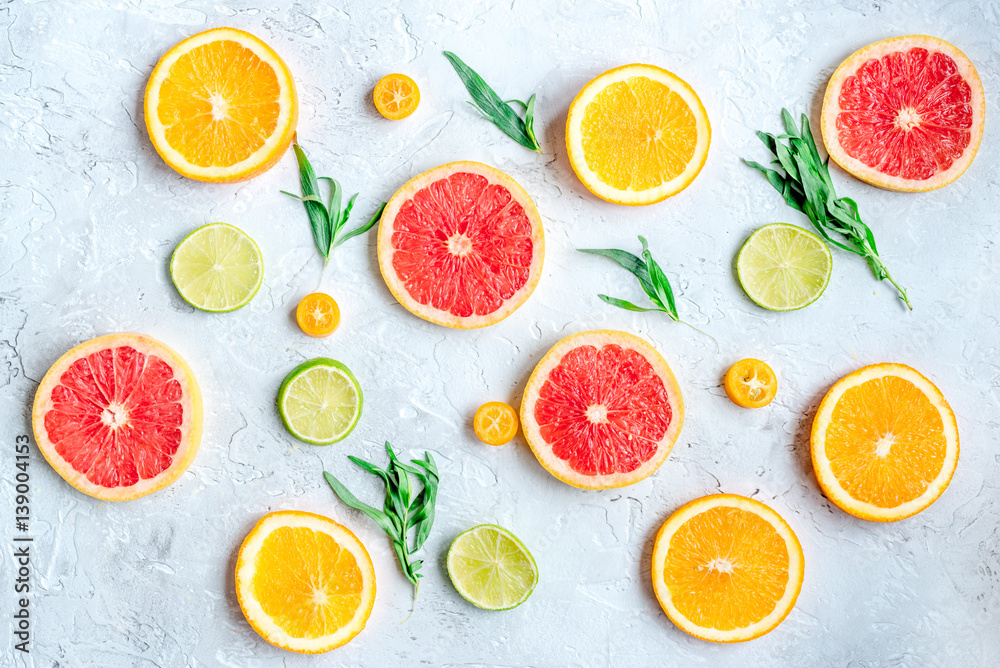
(495, 423)
(396, 96)
(884, 443)
(637, 134)
(726, 568)
(221, 106)
(751, 383)
(318, 314)
(304, 582)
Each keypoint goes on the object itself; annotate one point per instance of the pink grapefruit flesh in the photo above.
(461, 245)
(119, 416)
(602, 409)
(905, 113)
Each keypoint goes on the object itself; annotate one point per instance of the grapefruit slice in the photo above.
(602, 409)
(461, 245)
(905, 113)
(119, 416)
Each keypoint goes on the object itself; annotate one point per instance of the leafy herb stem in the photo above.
(327, 220)
(405, 508)
(805, 184)
(495, 109)
(652, 279)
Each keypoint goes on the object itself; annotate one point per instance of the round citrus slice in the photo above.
(495, 423)
(461, 245)
(318, 314)
(637, 134)
(396, 96)
(320, 401)
(726, 568)
(884, 443)
(217, 268)
(118, 417)
(751, 383)
(491, 568)
(221, 106)
(304, 582)
(905, 113)
(784, 267)
(602, 409)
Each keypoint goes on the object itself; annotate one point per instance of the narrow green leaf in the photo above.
(346, 213)
(632, 263)
(352, 501)
(628, 306)
(529, 122)
(319, 219)
(361, 229)
(664, 293)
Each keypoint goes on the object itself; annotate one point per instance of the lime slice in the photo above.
(491, 568)
(320, 401)
(217, 268)
(783, 267)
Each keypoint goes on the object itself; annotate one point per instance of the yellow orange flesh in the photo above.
(726, 568)
(221, 106)
(396, 96)
(317, 314)
(884, 443)
(637, 134)
(751, 383)
(304, 582)
(495, 423)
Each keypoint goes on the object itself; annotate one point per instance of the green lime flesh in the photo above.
(784, 267)
(217, 268)
(320, 401)
(491, 568)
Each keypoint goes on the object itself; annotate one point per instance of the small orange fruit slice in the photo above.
(884, 443)
(751, 383)
(637, 134)
(304, 582)
(318, 314)
(396, 96)
(221, 106)
(495, 423)
(726, 568)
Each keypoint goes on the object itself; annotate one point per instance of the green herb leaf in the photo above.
(628, 306)
(361, 229)
(490, 105)
(634, 264)
(806, 186)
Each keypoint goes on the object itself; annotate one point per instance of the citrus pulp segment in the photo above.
(495, 423)
(602, 409)
(396, 96)
(906, 113)
(884, 443)
(637, 134)
(221, 106)
(305, 583)
(317, 314)
(726, 568)
(784, 267)
(491, 568)
(119, 416)
(461, 245)
(751, 383)
(217, 268)
(320, 401)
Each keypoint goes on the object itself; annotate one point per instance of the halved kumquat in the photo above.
(495, 423)
(396, 96)
(751, 383)
(318, 314)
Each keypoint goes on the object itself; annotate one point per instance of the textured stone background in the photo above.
(89, 215)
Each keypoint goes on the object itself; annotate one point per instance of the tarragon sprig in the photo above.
(805, 184)
(405, 509)
(652, 279)
(496, 110)
(327, 220)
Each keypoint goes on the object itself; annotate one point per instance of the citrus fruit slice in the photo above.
(495, 423)
(221, 106)
(320, 401)
(884, 443)
(905, 113)
(396, 96)
(118, 417)
(461, 245)
(784, 267)
(751, 383)
(602, 409)
(304, 582)
(318, 314)
(726, 568)
(637, 134)
(217, 268)
(491, 568)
